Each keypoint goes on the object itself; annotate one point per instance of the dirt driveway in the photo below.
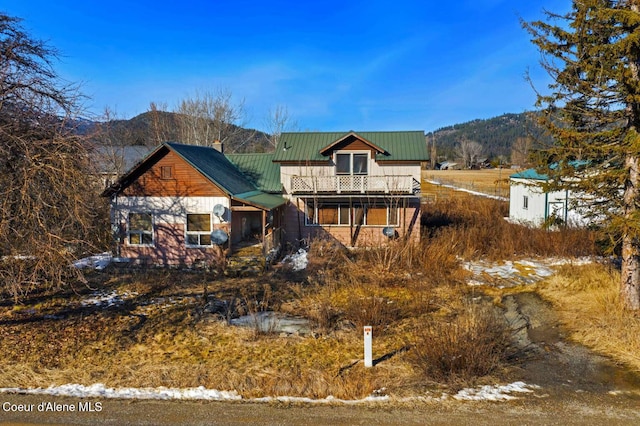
(577, 387)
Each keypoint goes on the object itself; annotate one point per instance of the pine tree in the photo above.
(593, 112)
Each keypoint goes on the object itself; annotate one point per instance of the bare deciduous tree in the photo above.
(160, 131)
(207, 117)
(470, 151)
(279, 121)
(46, 197)
(520, 151)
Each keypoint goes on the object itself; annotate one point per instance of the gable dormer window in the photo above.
(352, 163)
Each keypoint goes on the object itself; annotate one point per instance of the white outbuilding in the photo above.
(529, 204)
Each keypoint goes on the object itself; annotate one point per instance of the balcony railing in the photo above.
(352, 184)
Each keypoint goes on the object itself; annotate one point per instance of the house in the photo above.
(530, 204)
(186, 204)
(111, 162)
(359, 188)
(181, 204)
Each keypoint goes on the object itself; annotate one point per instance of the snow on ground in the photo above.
(107, 299)
(98, 261)
(269, 321)
(494, 393)
(504, 274)
(99, 390)
(297, 260)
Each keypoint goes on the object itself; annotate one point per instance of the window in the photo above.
(352, 163)
(343, 164)
(360, 164)
(376, 216)
(393, 215)
(166, 172)
(328, 215)
(140, 229)
(334, 213)
(199, 229)
(525, 202)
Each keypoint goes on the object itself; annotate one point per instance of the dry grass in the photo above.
(474, 228)
(414, 295)
(472, 343)
(488, 181)
(588, 301)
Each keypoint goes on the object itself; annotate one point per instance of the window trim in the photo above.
(352, 155)
(141, 232)
(199, 233)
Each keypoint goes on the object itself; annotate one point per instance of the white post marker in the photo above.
(368, 352)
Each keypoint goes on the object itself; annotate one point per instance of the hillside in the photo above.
(496, 135)
(152, 128)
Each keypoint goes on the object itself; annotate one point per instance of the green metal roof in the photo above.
(259, 169)
(262, 199)
(529, 174)
(215, 166)
(306, 146)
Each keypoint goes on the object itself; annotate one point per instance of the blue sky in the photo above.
(335, 65)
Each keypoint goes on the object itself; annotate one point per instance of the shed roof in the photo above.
(529, 174)
(397, 146)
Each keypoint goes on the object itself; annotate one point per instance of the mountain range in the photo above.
(496, 135)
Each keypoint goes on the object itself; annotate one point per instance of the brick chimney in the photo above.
(218, 146)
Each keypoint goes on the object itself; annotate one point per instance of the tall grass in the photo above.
(478, 227)
(588, 300)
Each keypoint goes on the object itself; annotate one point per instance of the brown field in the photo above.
(488, 181)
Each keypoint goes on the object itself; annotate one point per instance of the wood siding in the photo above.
(185, 181)
(354, 145)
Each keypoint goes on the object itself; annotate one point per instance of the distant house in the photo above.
(111, 162)
(529, 204)
(178, 204)
(449, 165)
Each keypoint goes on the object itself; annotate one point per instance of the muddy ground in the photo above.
(577, 387)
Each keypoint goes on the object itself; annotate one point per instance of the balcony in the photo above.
(362, 184)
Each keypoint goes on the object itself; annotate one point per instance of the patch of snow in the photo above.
(98, 261)
(297, 260)
(99, 390)
(518, 272)
(107, 299)
(494, 393)
(270, 321)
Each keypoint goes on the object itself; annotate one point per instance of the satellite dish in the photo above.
(219, 210)
(219, 237)
(389, 231)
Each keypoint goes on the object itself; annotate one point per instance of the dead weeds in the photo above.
(163, 330)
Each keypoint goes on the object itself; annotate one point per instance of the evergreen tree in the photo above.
(593, 112)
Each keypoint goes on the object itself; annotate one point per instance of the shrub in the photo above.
(472, 344)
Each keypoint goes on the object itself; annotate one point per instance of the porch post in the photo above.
(264, 234)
